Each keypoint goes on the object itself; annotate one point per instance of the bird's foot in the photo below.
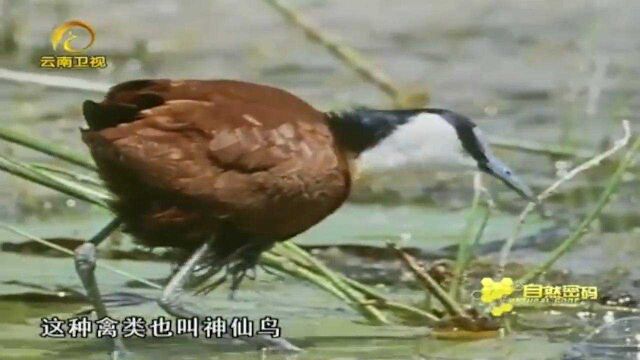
(237, 272)
(240, 265)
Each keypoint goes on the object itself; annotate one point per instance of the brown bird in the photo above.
(225, 169)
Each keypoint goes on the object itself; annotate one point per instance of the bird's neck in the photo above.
(359, 130)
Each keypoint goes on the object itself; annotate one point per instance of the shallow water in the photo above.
(541, 71)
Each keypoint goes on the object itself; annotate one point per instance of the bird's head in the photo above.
(389, 141)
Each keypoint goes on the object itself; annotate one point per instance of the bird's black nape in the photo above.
(360, 129)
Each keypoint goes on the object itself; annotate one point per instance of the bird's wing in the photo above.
(264, 168)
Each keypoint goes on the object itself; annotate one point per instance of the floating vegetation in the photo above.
(402, 286)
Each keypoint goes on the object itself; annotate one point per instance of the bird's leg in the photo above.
(85, 261)
(170, 302)
(106, 231)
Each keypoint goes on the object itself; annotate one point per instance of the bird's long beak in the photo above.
(500, 170)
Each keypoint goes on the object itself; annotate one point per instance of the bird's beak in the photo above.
(501, 171)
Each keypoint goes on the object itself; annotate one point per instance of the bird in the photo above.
(225, 169)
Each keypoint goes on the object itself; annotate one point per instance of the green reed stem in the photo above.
(355, 296)
(54, 150)
(384, 302)
(71, 188)
(475, 226)
(380, 300)
(85, 179)
(287, 266)
(432, 286)
(350, 57)
(532, 147)
(582, 228)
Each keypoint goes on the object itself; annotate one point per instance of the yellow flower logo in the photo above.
(492, 290)
(495, 291)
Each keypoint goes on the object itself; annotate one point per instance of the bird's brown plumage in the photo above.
(191, 160)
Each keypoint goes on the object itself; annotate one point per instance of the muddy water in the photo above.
(542, 71)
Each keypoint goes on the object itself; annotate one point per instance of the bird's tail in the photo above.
(101, 116)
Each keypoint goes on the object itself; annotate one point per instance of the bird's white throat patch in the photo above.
(427, 142)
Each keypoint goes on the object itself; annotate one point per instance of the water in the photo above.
(540, 71)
